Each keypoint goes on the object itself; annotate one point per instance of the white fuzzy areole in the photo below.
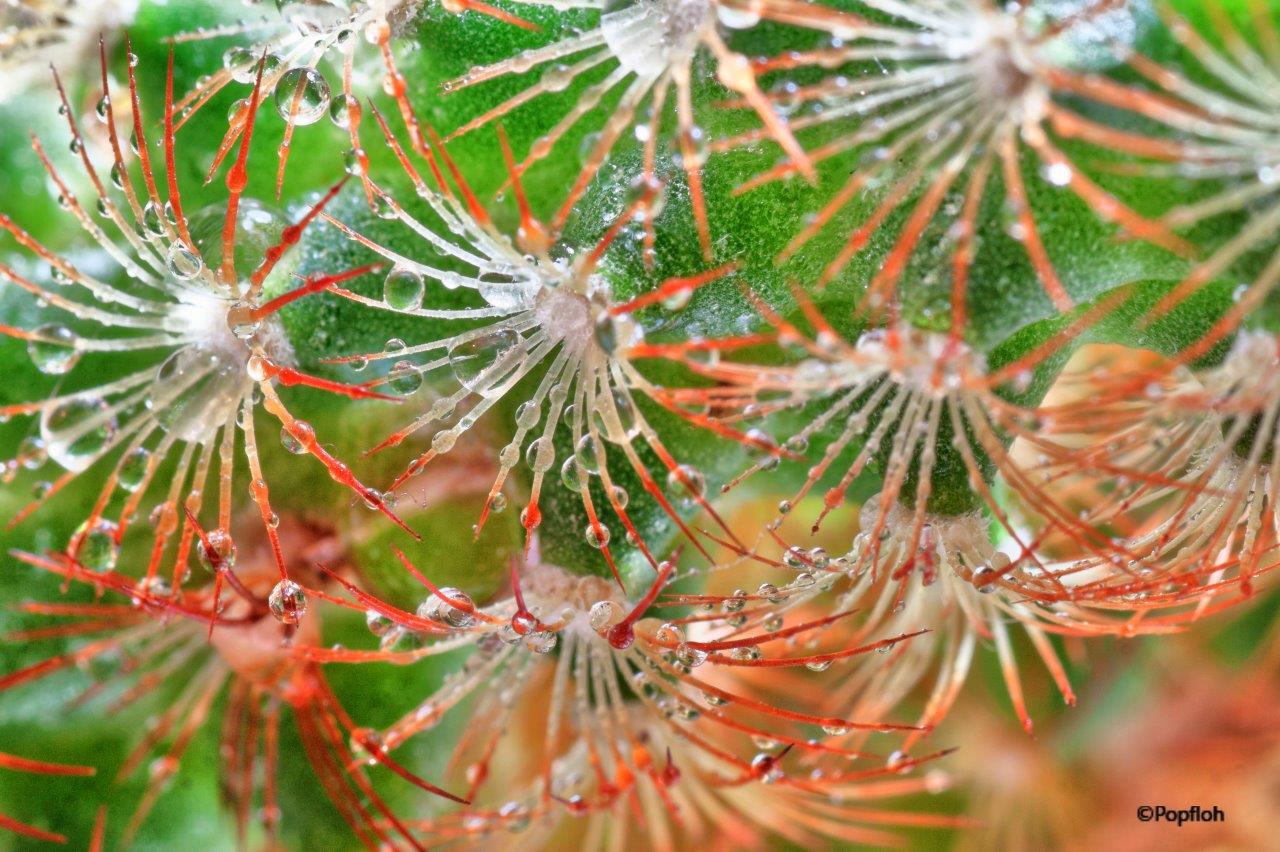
(213, 400)
(926, 362)
(645, 35)
(565, 315)
(552, 589)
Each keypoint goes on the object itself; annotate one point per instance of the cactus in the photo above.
(627, 422)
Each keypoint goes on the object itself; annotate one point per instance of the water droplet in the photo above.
(242, 64)
(290, 442)
(365, 743)
(31, 452)
(98, 549)
(183, 263)
(515, 816)
(1058, 174)
(75, 431)
(353, 161)
(738, 17)
(540, 455)
(597, 535)
(405, 378)
(540, 641)
(302, 96)
(241, 321)
(687, 484)
(152, 220)
(217, 550)
(605, 614)
(451, 606)
(482, 364)
(54, 352)
(378, 623)
(287, 602)
(586, 454)
(343, 109)
(403, 290)
(133, 468)
(689, 656)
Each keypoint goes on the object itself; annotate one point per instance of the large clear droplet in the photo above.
(195, 392)
(302, 96)
(605, 614)
(617, 423)
(483, 364)
(53, 350)
(403, 290)
(405, 378)
(687, 484)
(242, 64)
(597, 535)
(451, 606)
(133, 468)
(183, 263)
(98, 549)
(76, 431)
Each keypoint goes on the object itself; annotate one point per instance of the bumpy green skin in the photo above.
(325, 327)
(448, 553)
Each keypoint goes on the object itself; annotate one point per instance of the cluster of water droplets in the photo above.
(946, 546)
(927, 362)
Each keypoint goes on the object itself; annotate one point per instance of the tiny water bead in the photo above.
(379, 625)
(343, 110)
(687, 484)
(302, 96)
(540, 455)
(597, 535)
(515, 816)
(540, 641)
(689, 656)
(242, 320)
(31, 453)
(53, 349)
(287, 602)
(986, 576)
(242, 64)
